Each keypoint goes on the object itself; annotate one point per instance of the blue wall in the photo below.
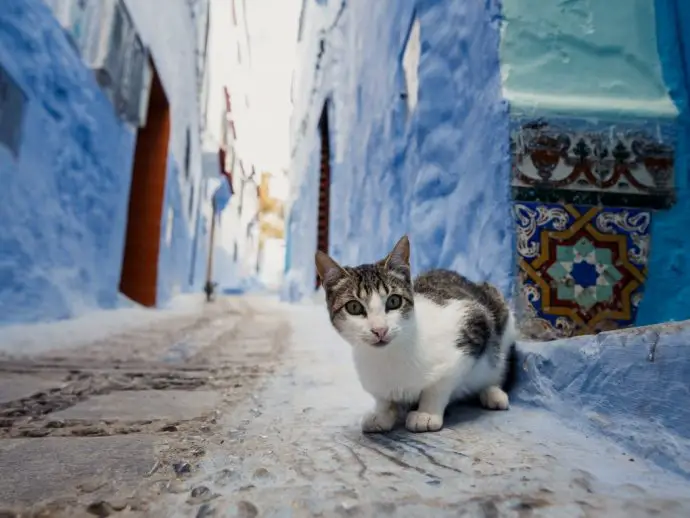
(441, 174)
(64, 201)
(174, 260)
(668, 284)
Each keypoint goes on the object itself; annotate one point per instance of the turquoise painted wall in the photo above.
(583, 56)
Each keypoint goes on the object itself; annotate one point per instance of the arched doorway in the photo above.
(139, 277)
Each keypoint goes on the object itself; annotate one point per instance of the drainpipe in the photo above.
(210, 285)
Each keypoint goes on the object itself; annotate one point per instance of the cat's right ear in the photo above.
(400, 255)
(327, 268)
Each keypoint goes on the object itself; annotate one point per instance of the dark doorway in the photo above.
(139, 277)
(324, 185)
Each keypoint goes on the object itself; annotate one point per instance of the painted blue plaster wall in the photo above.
(626, 385)
(201, 242)
(668, 285)
(200, 260)
(64, 203)
(174, 259)
(441, 174)
(64, 200)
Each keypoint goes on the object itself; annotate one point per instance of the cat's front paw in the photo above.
(494, 398)
(423, 422)
(379, 422)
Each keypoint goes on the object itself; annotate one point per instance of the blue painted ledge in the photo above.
(632, 385)
(233, 291)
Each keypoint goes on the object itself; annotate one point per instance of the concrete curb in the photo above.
(632, 386)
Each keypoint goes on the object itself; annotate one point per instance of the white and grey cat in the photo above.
(427, 343)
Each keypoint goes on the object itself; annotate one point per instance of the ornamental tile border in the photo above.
(592, 164)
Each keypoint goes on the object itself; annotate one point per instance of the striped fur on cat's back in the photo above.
(427, 342)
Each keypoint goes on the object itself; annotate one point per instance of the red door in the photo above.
(139, 277)
(324, 185)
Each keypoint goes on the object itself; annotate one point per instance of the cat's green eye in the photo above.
(354, 308)
(393, 302)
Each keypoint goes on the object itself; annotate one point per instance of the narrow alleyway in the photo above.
(251, 408)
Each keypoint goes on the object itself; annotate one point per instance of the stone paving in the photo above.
(111, 425)
(253, 408)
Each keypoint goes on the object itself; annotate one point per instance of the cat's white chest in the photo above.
(391, 376)
(402, 369)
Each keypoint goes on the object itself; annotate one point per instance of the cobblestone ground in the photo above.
(251, 408)
(111, 425)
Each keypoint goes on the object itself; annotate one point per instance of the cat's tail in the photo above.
(510, 336)
(511, 375)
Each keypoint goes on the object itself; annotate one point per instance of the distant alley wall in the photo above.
(404, 150)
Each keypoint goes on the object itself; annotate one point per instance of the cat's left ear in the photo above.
(327, 268)
(400, 255)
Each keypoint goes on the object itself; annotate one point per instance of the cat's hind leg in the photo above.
(432, 405)
(381, 419)
(494, 398)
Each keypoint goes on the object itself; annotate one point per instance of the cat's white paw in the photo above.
(423, 422)
(378, 422)
(494, 398)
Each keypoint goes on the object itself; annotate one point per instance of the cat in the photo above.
(424, 343)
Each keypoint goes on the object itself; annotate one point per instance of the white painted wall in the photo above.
(273, 263)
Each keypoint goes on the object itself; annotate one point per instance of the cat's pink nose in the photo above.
(380, 332)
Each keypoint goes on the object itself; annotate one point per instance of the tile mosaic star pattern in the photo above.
(584, 273)
(582, 269)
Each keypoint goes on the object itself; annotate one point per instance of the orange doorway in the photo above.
(139, 276)
(324, 185)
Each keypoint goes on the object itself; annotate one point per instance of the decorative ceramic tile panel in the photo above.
(581, 269)
(620, 167)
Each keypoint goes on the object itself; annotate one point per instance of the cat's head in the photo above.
(372, 304)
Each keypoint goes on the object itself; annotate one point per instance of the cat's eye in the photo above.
(393, 302)
(354, 308)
